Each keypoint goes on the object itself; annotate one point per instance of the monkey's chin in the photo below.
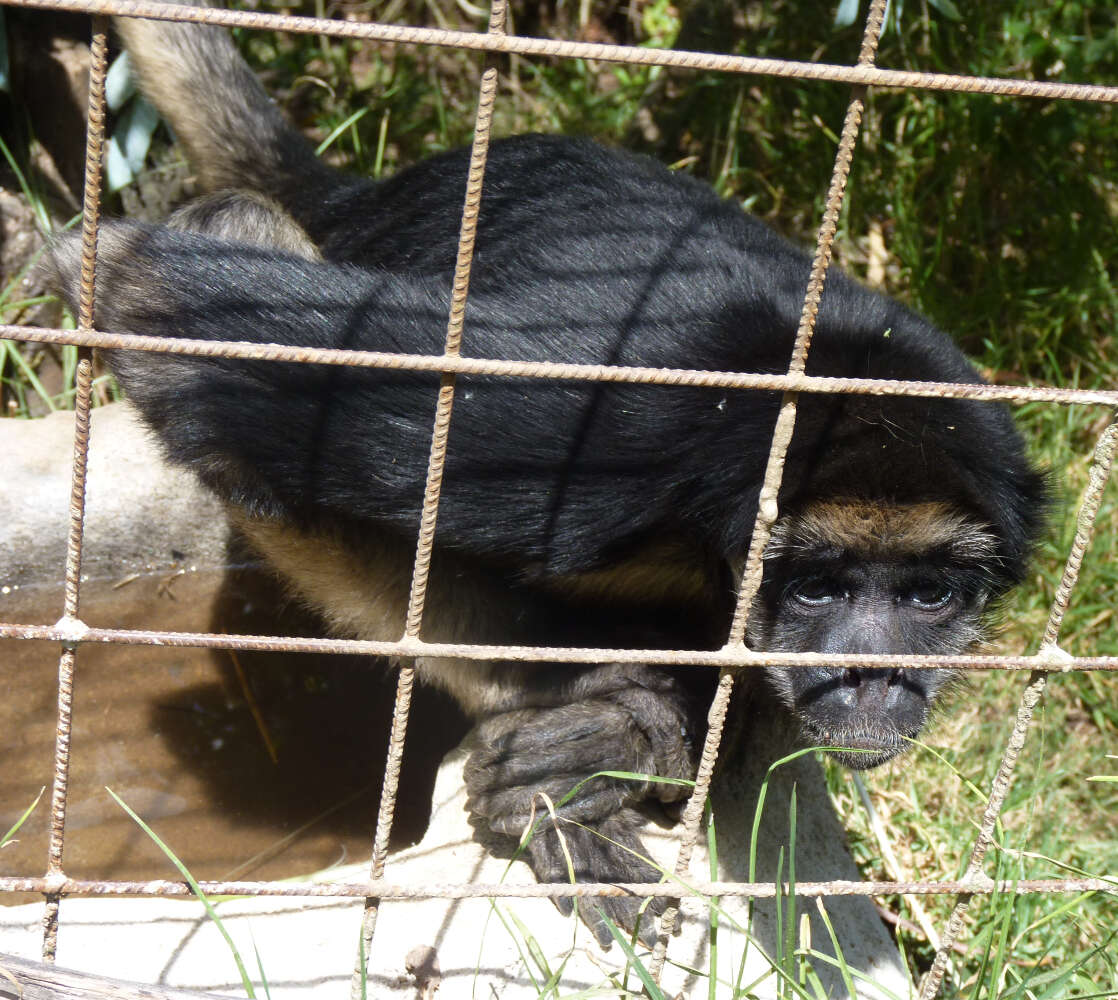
(859, 751)
(863, 759)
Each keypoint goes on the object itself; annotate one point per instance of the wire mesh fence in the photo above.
(72, 633)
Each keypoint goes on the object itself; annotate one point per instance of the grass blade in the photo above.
(195, 888)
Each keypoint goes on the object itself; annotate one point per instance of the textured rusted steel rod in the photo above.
(561, 371)
(553, 48)
(740, 657)
(533, 890)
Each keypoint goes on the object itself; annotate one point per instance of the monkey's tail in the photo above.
(233, 134)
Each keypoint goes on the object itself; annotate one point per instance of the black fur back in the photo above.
(587, 255)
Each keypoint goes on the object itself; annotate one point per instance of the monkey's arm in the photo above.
(282, 440)
(319, 454)
(546, 729)
(553, 477)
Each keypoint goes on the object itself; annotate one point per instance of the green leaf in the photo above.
(651, 989)
(947, 8)
(847, 13)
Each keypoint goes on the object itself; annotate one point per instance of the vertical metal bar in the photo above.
(1097, 479)
(786, 419)
(91, 214)
(767, 510)
(479, 154)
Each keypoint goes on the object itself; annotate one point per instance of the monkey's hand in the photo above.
(626, 718)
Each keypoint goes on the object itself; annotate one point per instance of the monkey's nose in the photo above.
(872, 689)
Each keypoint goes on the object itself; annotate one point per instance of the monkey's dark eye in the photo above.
(818, 592)
(928, 597)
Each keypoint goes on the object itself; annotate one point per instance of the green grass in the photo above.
(207, 903)
(22, 391)
(9, 836)
(997, 217)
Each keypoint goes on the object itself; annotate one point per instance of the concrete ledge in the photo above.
(142, 515)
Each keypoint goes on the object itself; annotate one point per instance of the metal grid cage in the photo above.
(72, 633)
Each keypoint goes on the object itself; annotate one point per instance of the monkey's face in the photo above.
(854, 578)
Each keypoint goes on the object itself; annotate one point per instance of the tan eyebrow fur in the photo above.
(883, 531)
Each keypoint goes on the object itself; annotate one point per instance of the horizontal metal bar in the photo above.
(440, 890)
(437, 363)
(554, 48)
(75, 632)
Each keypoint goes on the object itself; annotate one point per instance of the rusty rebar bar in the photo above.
(553, 371)
(1098, 476)
(540, 890)
(467, 237)
(742, 657)
(867, 76)
(91, 215)
(767, 509)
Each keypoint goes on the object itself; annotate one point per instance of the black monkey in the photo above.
(573, 513)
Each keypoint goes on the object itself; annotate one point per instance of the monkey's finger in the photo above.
(629, 913)
(509, 811)
(610, 852)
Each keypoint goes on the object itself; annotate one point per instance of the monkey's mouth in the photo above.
(858, 750)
